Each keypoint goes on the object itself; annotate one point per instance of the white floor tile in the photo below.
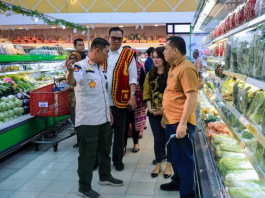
(159, 192)
(146, 160)
(11, 184)
(13, 164)
(117, 190)
(122, 175)
(141, 188)
(143, 177)
(54, 166)
(95, 186)
(53, 195)
(48, 174)
(72, 166)
(5, 194)
(35, 166)
(111, 195)
(24, 174)
(6, 172)
(129, 167)
(45, 158)
(68, 175)
(35, 185)
(61, 186)
(25, 195)
(145, 168)
(137, 196)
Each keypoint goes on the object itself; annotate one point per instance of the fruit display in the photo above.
(9, 49)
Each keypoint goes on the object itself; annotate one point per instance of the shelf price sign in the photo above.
(178, 28)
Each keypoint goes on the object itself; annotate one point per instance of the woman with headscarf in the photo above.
(136, 118)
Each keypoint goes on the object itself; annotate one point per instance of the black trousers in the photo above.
(120, 116)
(135, 134)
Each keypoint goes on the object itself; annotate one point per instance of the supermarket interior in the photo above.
(37, 131)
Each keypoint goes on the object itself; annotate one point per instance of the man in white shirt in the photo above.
(122, 79)
(93, 117)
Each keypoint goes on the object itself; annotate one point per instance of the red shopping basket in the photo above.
(45, 102)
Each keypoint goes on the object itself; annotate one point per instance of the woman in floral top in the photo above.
(154, 86)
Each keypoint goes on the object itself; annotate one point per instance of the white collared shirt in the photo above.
(112, 61)
(92, 105)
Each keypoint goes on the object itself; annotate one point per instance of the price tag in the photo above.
(43, 104)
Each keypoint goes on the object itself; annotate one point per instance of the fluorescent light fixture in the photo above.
(74, 30)
(206, 11)
(9, 13)
(93, 27)
(12, 28)
(156, 25)
(53, 27)
(35, 19)
(121, 26)
(20, 28)
(142, 27)
(137, 26)
(83, 32)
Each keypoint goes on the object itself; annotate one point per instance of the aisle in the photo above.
(46, 174)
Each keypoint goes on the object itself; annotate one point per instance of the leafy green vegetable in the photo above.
(231, 147)
(257, 103)
(4, 99)
(18, 102)
(263, 121)
(247, 134)
(252, 145)
(240, 176)
(236, 164)
(259, 151)
(233, 120)
(253, 183)
(224, 154)
(11, 98)
(3, 106)
(245, 192)
(218, 139)
(259, 51)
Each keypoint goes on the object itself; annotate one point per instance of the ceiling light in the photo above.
(83, 32)
(121, 26)
(62, 26)
(156, 25)
(20, 28)
(93, 27)
(9, 13)
(137, 26)
(12, 28)
(35, 19)
(53, 27)
(74, 30)
(142, 27)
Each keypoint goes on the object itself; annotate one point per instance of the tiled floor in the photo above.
(46, 174)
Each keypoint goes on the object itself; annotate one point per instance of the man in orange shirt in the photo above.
(179, 104)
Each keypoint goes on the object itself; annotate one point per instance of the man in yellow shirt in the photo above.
(179, 104)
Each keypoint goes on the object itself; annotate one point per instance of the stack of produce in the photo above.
(10, 108)
(227, 89)
(215, 128)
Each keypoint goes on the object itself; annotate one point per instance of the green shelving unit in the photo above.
(29, 58)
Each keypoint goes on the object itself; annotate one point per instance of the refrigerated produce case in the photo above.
(232, 97)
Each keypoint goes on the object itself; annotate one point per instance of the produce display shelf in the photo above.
(207, 45)
(218, 79)
(29, 58)
(24, 72)
(249, 25)
(217, 93)
(210, 57)
(235, 75)
(210, 68)
(253, 128)
(220, 59)
(252, 159)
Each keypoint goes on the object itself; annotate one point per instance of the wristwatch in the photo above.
(133, 93)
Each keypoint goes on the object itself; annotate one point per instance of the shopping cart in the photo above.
(50, 101)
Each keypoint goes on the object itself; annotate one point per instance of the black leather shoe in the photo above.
(188, 196)
(169, 187)
(166, 176)
(136, 150)
(154, 175)
(119, 167)
(76, 145)
(95, 167)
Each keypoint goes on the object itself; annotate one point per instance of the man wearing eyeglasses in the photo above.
(122, 79)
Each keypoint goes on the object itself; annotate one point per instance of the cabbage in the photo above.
(6, 120)
(240, 176)
(15, 116)
(218, 139)
(4, 99)
(245, 192)
(11, 113)
(253, 183)
(3, 106)
(17, 111)
(222, 154)
(18, 102)
(2, 116)
(6, 114)
(231, 147)
(11, 98)
(21, 110)
(12, 104)
(236, 164)
(8, 106)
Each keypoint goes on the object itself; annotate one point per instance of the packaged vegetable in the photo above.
(233, 120)
(228, 54)
(256, 104)
(233, 65)
(263, 121)
(259, 151)
(238, 86)
(241, 126)
(252, 145)
(245, 96)
(241, 176)
(218, 139)
(231, 147)
(241, 192)
(236, 163)
(224, 154)
(247, 134)
(259, 51)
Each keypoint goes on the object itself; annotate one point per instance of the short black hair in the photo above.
(127, 46)
(179, 43)
(150, 50)
(99, 43)
(115, 29)
(76, 40)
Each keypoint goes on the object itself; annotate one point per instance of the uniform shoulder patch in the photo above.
(77, 68)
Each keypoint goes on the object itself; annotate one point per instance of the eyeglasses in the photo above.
(119, 39)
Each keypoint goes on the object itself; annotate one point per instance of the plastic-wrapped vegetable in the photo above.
(241, 176)
(251, 56)
(233, 120)
(228, 54)
(241, 126)
(252, 145)
(253, 183)
(240, 192)
(234, 54)
(245, 96)
(240, 15)
(258, 7)
(247, 134)
(218, 139)
(263, 121)
(259, 51)
(224, 154)
(259, 151)
(257, 103)
(231, 147)
(236, 97)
